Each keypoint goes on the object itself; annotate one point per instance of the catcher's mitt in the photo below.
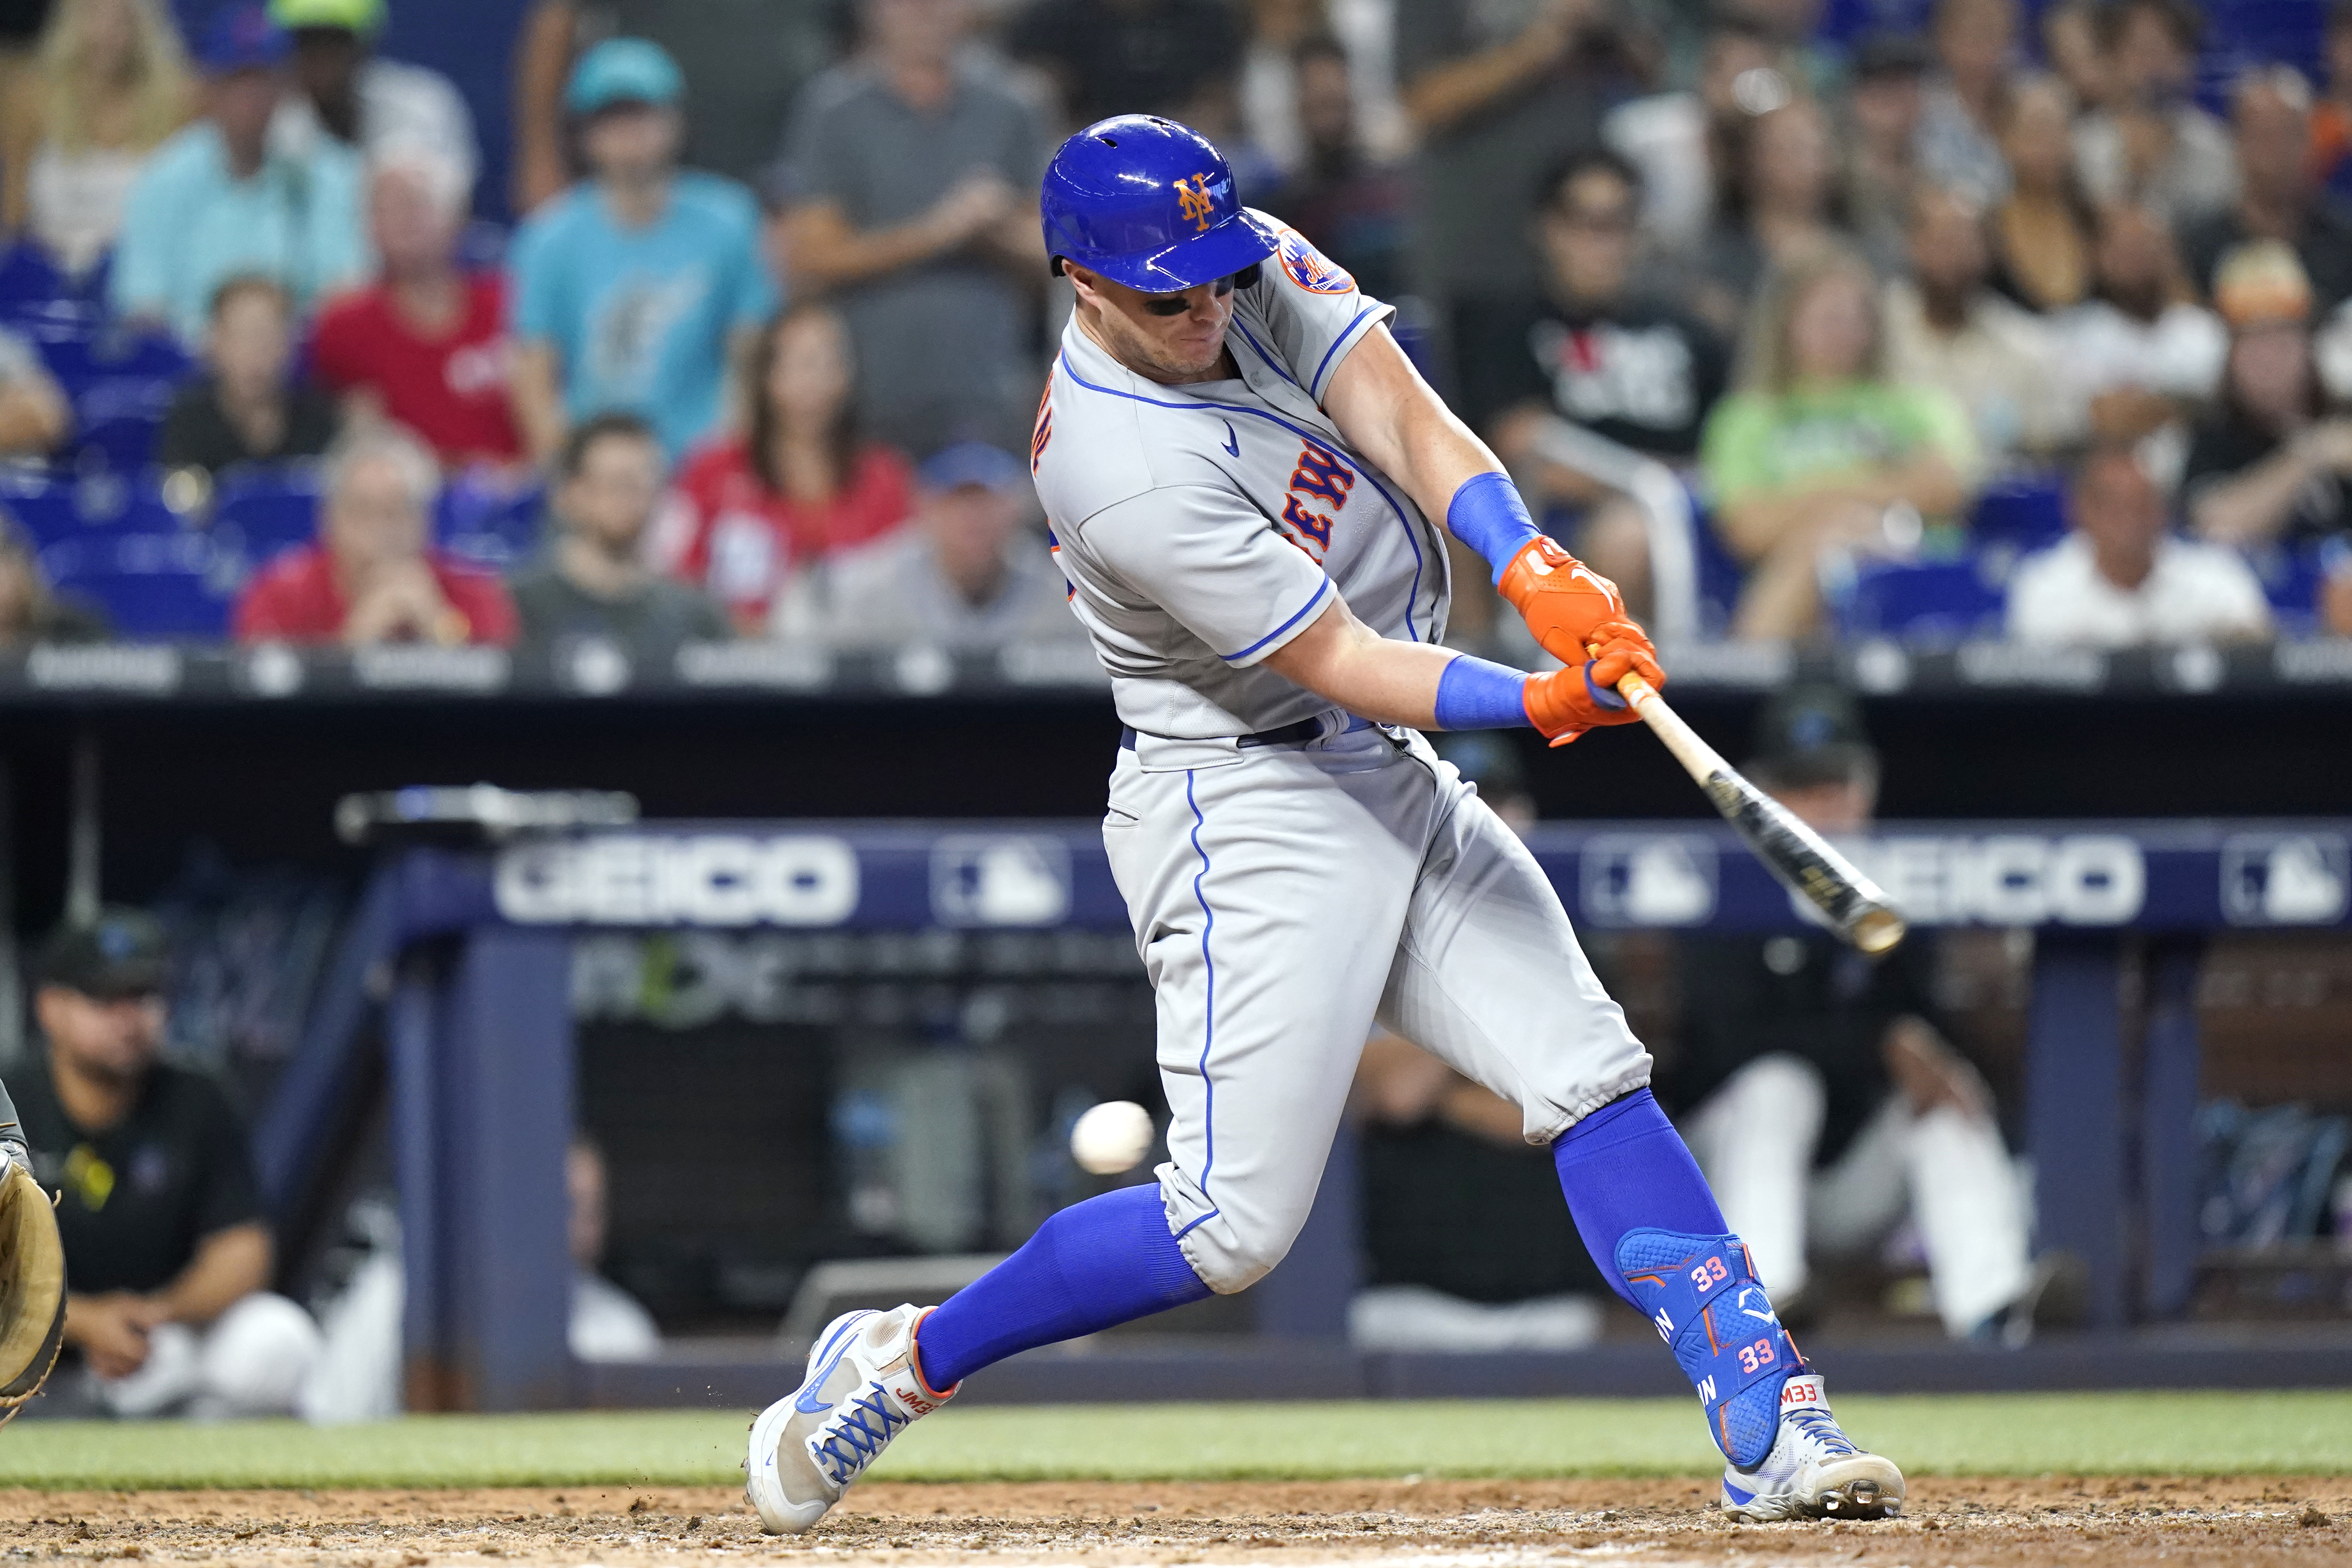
(32, 1289)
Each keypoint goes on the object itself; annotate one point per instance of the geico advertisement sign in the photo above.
(704, 879)
(2086, 879)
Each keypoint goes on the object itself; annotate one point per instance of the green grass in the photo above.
(2208, 1434)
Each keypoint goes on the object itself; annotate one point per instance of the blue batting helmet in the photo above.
(1150, 204)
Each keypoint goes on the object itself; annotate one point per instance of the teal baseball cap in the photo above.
(623, 70)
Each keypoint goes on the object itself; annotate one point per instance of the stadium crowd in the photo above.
(2034, 317)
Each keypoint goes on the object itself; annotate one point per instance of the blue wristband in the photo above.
(1473, 694)
(1488, 515)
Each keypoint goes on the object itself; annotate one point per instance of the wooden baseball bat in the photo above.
(1854, 906)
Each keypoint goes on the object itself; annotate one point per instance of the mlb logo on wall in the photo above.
(2285, 879)
(1650, 881)
(1000, 880)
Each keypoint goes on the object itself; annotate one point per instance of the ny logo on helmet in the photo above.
(1196, 202)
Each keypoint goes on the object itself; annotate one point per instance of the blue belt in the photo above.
(1283, 735)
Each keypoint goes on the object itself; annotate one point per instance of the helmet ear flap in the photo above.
(1247, 277)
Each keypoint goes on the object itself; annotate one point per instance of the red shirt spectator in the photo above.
(449, 387)
(372, 577)
(297, 598)
(740, 541)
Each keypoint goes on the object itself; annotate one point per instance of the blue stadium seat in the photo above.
(488, 527)
(54, 507)
(121, 386)
(2028, 512)
(2243, 33)
(155, 587)
(1924, 601)
(2291, 580)
(261, 512)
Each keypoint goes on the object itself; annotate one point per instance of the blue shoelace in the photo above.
(851, 1446)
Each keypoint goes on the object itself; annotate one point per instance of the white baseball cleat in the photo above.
(1814, 1471)
(861, 1390)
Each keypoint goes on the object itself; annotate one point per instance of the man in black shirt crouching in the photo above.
(167, 1253)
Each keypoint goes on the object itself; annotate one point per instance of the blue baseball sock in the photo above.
(1095, 1265)
(1648, 1219)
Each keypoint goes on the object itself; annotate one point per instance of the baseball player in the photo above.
(1241, 471)
(32, 1272)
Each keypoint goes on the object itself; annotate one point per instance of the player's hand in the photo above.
(1564, 704)
(111, 1330)
(1564, 602)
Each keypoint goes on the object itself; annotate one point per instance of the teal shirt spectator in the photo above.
(191, 225)
(640, 318)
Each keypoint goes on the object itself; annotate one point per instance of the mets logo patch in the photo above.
(1309, 267)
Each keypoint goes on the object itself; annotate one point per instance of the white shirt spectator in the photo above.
(405, 106)
(2199, 176)
(2197, 593)
(2002, 364)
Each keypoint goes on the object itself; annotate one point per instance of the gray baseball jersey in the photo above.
(1286, 895)
(1202, 527)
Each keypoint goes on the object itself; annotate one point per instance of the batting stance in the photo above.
(1240, 468)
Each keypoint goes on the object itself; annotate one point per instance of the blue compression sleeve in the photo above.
(1488, 515)
(1095, 1265)
(1625, 1167)
(1473, 694)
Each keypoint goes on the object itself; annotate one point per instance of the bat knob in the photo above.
(1877, 928)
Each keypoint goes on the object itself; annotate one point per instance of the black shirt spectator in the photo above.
(1132, 57)
(139, 1196)
(2278, 198)
(592, 584)
(1351, 207)
(246, 408)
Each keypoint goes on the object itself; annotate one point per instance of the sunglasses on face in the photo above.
(1176, 304)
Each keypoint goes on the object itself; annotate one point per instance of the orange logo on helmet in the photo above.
(1196, 202)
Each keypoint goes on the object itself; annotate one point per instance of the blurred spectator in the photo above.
(2268, 463)
(746, 62)
(1178, 57)
(633, 290)
(799, 484)
(967, 575)
(2141, 355)
(1819, 451)
(1358, 36)
(2331, 118)
(1676, 138)
(2070, 42)
(1958, 128)
(909, 189)
(34, 416)
(246, 406)
(2150, 143)
(594, 581)
(1944, 329)
(1818, 1088)
(113, 83)
(1350, 206)
(425, 345)
(168, 1255)
(1593, 349)
(30, 610)
(216, 201)
(2044, 234)
(1498, 93)
(372, 577)
(1884, 107)
(1779, 203)
(357, 1376)
(2121, 580)
(2278, 198)
(344, 90)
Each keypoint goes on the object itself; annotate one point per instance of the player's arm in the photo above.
(1389, 681)
(1389, 413)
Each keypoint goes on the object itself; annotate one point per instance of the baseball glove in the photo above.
(32, 1287)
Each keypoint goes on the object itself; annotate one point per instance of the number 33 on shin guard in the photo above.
(1702, 1294)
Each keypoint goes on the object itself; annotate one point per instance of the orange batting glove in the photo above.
(1564, 602)
(1564, 704)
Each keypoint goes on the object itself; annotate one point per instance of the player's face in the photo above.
(1170, 338)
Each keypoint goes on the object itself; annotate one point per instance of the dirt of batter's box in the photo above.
(2282, 1522)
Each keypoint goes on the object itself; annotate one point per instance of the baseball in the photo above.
(1111, 1136)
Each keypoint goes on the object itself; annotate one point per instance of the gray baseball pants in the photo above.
(1285, 898)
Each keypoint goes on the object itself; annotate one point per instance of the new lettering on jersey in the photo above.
(1320, 476)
